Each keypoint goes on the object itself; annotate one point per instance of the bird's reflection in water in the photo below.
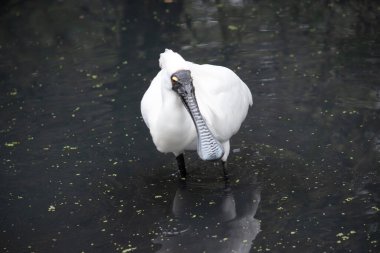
(212, 219)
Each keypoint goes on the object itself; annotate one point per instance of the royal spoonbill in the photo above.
(194, 107)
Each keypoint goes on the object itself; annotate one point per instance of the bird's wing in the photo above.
(223, 98)
(151, 101)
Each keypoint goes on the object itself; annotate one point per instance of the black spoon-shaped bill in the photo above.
(209, 148)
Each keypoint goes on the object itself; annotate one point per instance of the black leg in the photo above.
(181, 165)
(225, 174)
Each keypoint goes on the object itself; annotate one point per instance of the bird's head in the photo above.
(182, 83)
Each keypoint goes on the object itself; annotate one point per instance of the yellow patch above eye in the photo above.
(174, 78)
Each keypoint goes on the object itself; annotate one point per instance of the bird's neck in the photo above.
(172, 103)
(170, 98)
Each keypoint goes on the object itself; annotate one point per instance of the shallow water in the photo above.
(79, 172)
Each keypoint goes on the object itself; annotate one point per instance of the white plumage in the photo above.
(223, 100)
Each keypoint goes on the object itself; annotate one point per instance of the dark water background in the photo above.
(79, 172)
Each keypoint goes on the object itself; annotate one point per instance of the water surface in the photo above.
(79, 172)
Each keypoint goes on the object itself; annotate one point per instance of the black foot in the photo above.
(181, 165)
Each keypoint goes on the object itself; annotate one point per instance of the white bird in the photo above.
(194, 107)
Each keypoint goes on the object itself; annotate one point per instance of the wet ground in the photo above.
(79, 172)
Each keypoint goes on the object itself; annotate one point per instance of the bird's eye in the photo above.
(174, 79)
